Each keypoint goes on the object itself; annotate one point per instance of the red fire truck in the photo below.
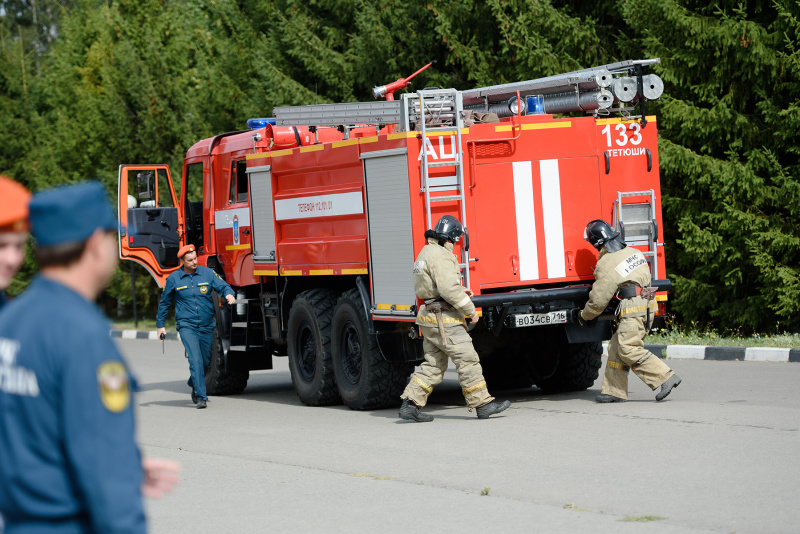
(315, 218)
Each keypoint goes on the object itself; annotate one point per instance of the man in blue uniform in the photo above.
(190, 287)
(69, 462)
(13, 231)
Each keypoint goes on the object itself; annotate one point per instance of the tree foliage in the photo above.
(93, 84)
(729, 155)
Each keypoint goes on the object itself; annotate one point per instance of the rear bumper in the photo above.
(541, 296)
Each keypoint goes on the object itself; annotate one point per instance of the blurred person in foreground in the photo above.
(14, 200)
(69, 461)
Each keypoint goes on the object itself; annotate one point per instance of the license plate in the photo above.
(538, 319)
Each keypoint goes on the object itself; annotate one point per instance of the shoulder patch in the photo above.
(114, 386)
(419, 266)
(627, 266)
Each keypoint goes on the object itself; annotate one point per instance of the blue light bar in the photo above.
(535, 105)
(255, 124)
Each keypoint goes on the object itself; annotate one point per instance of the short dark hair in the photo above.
(60, 255)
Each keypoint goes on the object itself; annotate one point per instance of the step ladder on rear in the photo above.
(246, 328)
(434, 112)
(636, 222)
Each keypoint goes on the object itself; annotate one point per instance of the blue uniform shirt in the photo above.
(69, 462)
(194, 306)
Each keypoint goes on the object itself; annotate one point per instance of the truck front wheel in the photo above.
(309, 347)
(365, 379)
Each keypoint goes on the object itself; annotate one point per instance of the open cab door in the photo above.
(151, 226)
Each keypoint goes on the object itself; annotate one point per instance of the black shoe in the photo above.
(410, 411)
(194, 397)
(492, 408)
(672, 382)
(201, 404)
(603, 398)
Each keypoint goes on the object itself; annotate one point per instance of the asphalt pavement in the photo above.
(718, 455)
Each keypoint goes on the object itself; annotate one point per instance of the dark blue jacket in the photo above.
(68, 459)
(194, 307)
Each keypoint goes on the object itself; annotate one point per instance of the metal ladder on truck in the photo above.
(440, 110)
(637, 225)
(246, 331)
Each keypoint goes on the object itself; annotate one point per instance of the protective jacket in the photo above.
(69, 461)
(614, 271)
(194, 307)
(436, 275)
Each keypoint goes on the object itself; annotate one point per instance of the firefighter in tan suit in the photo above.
(437, 281)
(623, 271)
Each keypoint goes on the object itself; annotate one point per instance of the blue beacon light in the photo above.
(255, 124)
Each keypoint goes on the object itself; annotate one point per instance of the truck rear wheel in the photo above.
(577, 368)
(219, 381)
(309, 347)
(365, 379)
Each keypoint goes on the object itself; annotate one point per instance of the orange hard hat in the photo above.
(185, 250)
(14, 199)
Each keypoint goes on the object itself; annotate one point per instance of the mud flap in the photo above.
(398, 347)
(600, 331)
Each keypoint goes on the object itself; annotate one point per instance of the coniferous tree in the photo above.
(101, 83)
(728, 156)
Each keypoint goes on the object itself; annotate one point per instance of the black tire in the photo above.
(366, 381)
(577, 368)
(219, 382)
(309, 347)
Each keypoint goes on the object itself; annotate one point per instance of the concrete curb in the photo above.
(673, 352)
(702, 352)
(143, 334)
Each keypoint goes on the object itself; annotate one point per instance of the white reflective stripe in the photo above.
(224, 218)
(461, 303)
(553, 221)
(526, 222)
(319, 206)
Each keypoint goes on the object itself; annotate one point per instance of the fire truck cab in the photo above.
(315, 217)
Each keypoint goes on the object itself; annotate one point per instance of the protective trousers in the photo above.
(197, 342)
(459, 349)
(625, 352)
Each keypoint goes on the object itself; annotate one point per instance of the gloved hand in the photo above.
(583, 322)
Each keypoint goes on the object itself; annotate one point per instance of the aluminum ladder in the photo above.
(437, 111)
(637, 225)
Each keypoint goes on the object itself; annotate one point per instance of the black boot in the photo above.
(411, 412)
(672, 382)
(194, 397)
(201, 403)
(492, 408)
(604, 398)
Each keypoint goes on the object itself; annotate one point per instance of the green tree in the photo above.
(728, 155)
(91, 84)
